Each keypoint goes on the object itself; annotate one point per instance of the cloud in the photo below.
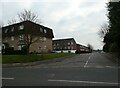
(80, 19)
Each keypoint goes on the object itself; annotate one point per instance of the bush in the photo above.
(106, 48)
(77, 51)
(9, 50)
(113, 47)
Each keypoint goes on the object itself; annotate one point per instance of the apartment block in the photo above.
(16, 35)
(64, 45)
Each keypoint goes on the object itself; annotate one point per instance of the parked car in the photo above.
(102, 52)
(77, 51)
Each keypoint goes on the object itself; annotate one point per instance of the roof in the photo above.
(23, 22)
(64, 40)
(31, 24)
(78, 44)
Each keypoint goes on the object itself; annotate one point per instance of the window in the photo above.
(39, 47)
(71, 43)
(45, 46)
(41, 30)
(3, 46)
(6, 39)
(12, 46)
(54, 44)
(65, 48)
(68, 47)
(0, 40)
(45, 31)
(72, 47)
(20, 47)
(0, 32)
(6, 30)
(21, 27)
(12, 29)
(44, 38)
(21, 37)
(12, 38)
(68, 43)
(41, 38)
(57, 44)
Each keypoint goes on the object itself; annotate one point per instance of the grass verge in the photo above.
(32, 57)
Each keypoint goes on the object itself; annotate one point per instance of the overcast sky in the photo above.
(78, 19)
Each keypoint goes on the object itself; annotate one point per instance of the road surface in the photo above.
(92, 69)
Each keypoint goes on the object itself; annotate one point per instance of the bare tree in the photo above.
(28, 15)
(103, 30)
(28, 40)
(30, 36)
(10, 22)
(90, 47)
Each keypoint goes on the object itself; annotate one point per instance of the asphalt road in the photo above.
(93, 69)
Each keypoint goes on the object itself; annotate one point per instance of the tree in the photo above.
(28, 15)
(28, 40)
(103, 30)
(113, 48)
(112, 38)
(90, 47)
(29, 37)
(10, 22)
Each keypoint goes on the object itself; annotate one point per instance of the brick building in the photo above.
(15, 36)
(64, 45)
(78, 47)
(84, 48)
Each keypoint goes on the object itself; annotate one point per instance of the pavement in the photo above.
(92, 69)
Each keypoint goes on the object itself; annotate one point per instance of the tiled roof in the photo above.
(67, 39)
(30, 27)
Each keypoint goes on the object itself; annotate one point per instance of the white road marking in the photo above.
(51, 75)
(114, 67)
(108, 66)
(7, 78)
(76, 66)
(72, 81)
(88, 60)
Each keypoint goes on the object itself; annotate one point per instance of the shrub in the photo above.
(8, 50)
(113, 47)
(77, 51)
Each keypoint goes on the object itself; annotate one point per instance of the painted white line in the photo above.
(88, 60)
(51, 75)
(72, 81)
(111, 67)
(114, 67)
(7, 78)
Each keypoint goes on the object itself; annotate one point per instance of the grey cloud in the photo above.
(87, 4)
(10, 11)
(64, 21)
